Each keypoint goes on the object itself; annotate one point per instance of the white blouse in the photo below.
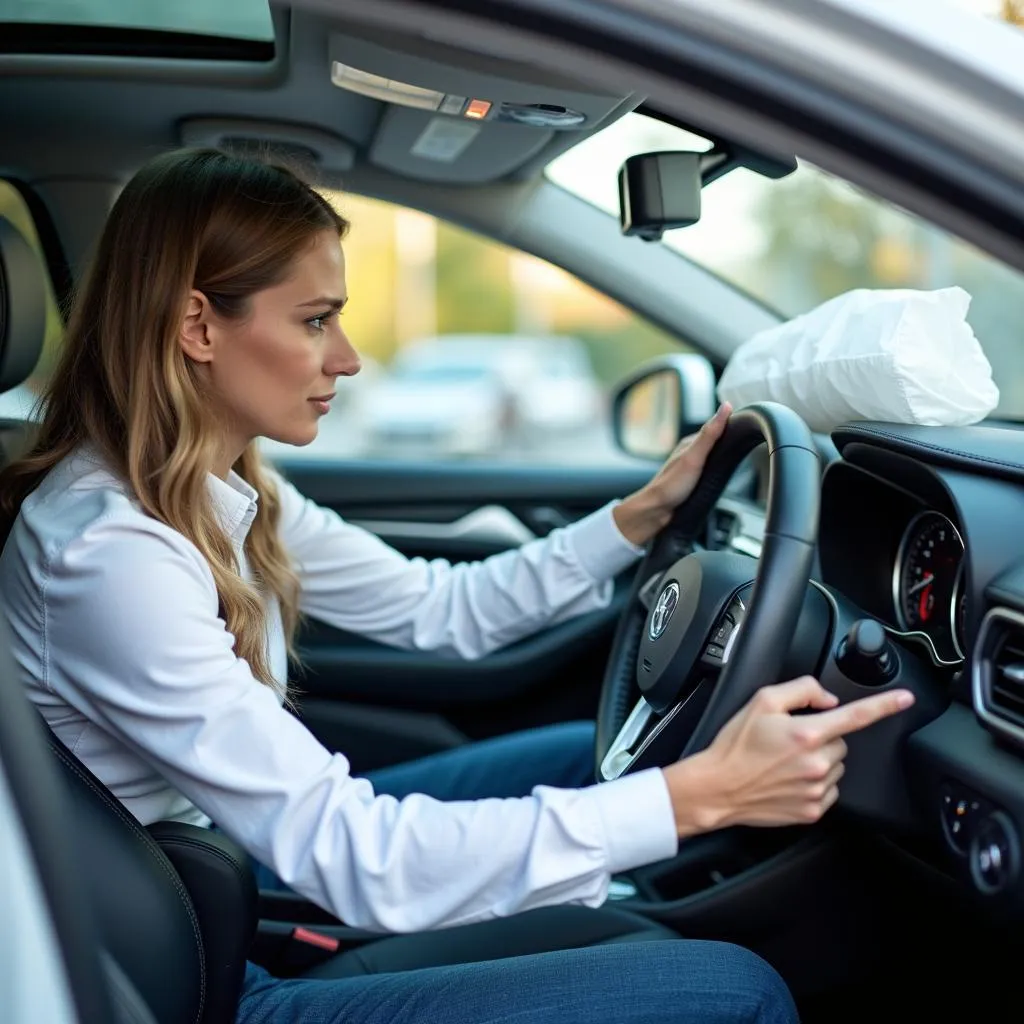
(116, 632)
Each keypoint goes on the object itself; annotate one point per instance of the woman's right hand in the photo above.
(769, 767)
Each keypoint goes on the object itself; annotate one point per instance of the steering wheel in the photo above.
(703, 630)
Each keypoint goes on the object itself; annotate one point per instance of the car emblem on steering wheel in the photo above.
(666, 605)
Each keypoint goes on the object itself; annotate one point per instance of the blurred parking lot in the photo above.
(483, 397)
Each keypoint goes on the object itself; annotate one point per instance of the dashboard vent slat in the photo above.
(998, 673)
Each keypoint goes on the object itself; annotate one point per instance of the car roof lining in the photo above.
(99, 140)
(110, 138)
(290, 101)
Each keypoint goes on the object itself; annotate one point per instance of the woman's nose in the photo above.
(343, 360)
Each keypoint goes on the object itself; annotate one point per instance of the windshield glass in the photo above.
(795, 242)
(246, 19)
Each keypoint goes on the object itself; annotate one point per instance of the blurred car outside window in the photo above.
(472, 350)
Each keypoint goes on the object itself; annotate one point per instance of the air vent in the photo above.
(998, 673)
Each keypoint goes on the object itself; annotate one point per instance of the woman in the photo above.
(154, 572)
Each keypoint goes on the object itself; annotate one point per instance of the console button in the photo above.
(721, 635)
(994, 853)
(960, 813)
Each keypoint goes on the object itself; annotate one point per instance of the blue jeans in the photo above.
(684, 982)
(666, 982)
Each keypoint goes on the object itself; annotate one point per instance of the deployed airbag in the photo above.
(892, 355)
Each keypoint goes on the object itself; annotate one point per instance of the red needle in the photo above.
(922, 606)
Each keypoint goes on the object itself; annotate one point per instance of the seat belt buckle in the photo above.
(306, 948)
(318, 939)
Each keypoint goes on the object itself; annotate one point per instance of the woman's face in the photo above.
(272, 373)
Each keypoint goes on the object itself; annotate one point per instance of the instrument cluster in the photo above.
(900, 556)
(927, 583)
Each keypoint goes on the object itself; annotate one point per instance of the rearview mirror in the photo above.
(659, 191)
(661, 403)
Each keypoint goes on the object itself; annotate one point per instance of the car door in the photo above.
(379, 704)
(442, 457)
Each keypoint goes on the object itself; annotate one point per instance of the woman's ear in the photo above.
(196, 336)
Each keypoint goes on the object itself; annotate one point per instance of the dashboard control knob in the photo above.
(994, 854)
(866, 654)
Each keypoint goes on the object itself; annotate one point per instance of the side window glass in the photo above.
(472, 350)
(19, 402)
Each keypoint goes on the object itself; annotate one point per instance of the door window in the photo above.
(472, 350)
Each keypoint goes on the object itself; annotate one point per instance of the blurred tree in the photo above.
(370, 272)
(1012, 11)
(821, 238)
(474, 292)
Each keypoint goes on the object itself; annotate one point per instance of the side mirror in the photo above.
(665, 400)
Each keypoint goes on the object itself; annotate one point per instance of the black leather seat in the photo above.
(176, 906)
(23, 299)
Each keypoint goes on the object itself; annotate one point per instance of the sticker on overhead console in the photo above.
(444, 139)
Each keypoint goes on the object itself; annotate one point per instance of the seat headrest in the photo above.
(24, 289)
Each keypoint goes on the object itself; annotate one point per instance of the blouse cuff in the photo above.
(600, 548)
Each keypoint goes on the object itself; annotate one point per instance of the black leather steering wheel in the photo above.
(703, 630)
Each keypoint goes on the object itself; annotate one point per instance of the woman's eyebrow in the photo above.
(326, 300)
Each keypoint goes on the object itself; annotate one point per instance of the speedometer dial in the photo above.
(925, 581)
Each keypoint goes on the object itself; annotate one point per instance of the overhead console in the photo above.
(460, 117)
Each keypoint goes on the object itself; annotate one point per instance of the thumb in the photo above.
(697, 446)
(713, 428)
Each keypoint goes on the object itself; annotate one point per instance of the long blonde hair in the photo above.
(228, 226)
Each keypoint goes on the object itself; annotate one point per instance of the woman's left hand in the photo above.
(647, 511)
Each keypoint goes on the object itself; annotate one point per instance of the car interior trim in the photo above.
(490, 524)
(980, 685)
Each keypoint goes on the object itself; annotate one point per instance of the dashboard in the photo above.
(901, 555)
(922, 529)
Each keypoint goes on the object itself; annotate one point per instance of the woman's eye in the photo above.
(319, 323)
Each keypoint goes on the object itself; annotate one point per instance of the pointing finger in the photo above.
(859, 714)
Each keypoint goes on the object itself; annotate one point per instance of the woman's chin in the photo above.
(299, 437)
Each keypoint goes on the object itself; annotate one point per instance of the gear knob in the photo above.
(866, 654)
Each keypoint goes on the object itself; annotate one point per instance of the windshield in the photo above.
(245, 19)
(184, 29)
(795, 242)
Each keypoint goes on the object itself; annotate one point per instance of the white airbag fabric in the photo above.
(895, 355)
